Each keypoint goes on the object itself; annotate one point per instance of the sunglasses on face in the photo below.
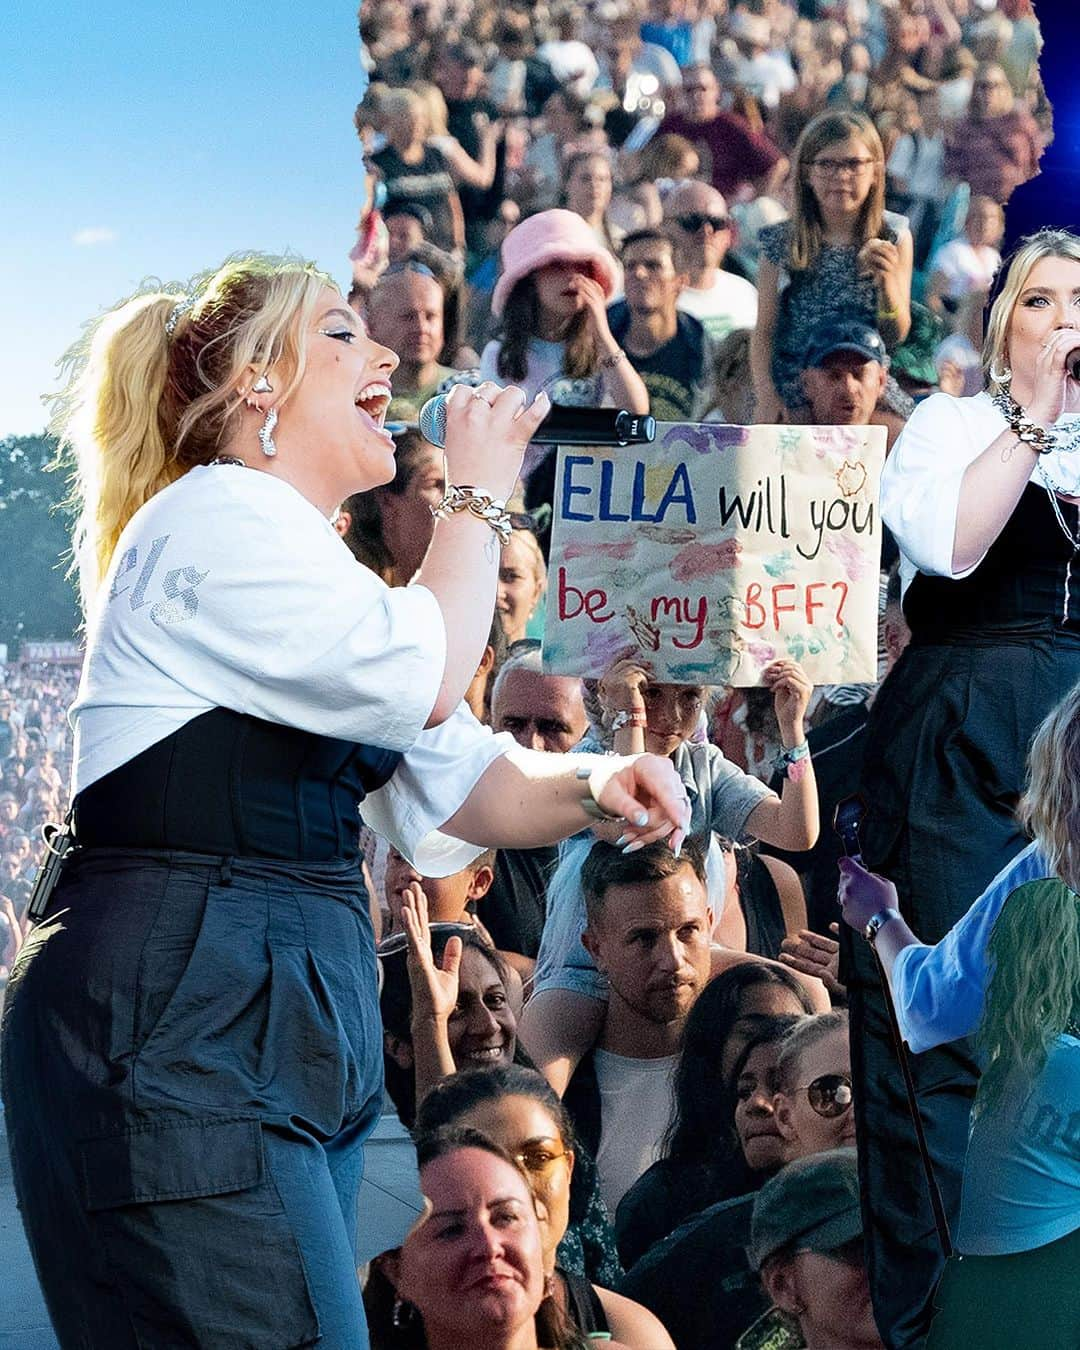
(830, 1095)
(538, 1161)
(697, 220)
(398, 941)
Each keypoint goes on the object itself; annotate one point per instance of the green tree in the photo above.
(36, 598)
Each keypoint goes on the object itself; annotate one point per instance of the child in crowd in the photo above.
(566, 1012)
(841, 252)
(552, 298)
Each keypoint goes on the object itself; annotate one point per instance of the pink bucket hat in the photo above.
(547, 237)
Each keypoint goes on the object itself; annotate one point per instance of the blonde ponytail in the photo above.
(110, 421)
(143, 406)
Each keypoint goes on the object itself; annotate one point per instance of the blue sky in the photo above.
(152, 140)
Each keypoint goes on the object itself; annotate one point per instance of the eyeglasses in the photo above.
(537, 1161)
(832, 168)
(697, 220)
(830, 1095)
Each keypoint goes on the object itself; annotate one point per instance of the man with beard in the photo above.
(648, 931)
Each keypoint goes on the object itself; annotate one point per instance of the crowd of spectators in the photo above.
(35, 768)
(753, 211)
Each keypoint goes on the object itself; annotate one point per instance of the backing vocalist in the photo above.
(982, 495)
(191, 1043)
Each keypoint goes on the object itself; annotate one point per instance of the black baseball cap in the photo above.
(844, 335)
(812, 1204)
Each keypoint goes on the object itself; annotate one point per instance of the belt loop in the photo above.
(225, 872)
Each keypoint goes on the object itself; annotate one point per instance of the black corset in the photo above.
(1029, 580)
(235, 786)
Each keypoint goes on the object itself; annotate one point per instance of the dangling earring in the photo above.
(1003, 377)
(404, 1314)
(266, 434)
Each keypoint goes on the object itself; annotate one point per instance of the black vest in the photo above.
(234, 786)
(1028, 582)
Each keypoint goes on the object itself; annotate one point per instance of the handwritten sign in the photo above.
(716, 550)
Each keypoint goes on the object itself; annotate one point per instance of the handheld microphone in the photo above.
(1072, 365)
(562, 425)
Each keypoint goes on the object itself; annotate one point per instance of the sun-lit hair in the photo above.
(143, 406)
(807, 226)
(1031, 250)
(1035, 943)
(434, 105)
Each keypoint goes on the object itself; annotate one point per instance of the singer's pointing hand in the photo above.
(649, 794)
(487, 430)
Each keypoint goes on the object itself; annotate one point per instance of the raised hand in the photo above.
(791, 690)
(434, 990)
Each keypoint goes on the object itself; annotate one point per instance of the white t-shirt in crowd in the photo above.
(920, 483)
(730, 302)
(635, 1110)
(965, 266)
(229, 589)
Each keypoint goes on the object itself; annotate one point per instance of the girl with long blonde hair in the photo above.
(190, 1043)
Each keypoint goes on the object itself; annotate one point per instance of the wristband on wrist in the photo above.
(629, 718)
(877, 923)
(792, 763)
(478, 502)
(589, 804)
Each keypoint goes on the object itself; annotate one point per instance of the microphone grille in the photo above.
(433, 420)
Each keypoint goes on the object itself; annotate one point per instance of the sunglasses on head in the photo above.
(697, 220)
(410, 265)
(398, 941)
(830, 1095)
(522, 646)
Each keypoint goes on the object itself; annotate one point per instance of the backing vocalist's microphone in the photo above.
(562, 425)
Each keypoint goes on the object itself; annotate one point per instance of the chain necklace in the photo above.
(228, 459)
(1073, 539)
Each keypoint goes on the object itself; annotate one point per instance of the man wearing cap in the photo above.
(697, 217)
(806, 1240)
(844, 372)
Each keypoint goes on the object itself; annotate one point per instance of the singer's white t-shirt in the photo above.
(920, 483)
(229, 589)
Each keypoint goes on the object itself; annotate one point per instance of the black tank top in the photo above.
(235, 786)
(1028, 582)
(759, 901)
(583, 1304)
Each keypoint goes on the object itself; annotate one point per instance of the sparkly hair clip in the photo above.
(176, 313)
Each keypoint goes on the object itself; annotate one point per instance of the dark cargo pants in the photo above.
(191, 1064)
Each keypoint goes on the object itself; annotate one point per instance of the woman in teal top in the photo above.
(1008, 972)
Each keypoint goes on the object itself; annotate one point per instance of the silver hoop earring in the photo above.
(1003, 377)
(266, 434)
(404, 1314)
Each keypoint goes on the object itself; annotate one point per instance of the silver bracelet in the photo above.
(610, 362)
(589, 804)
(479, 503)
